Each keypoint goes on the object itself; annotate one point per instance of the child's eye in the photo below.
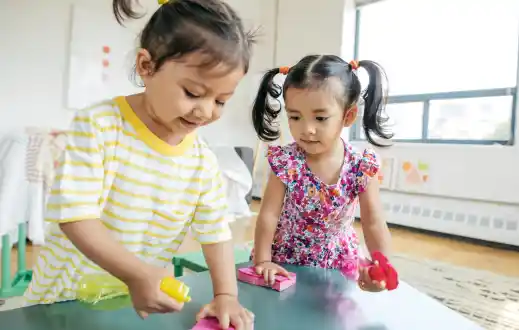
(220, 103)
(190, 95)
(293, 118)
(321, 118)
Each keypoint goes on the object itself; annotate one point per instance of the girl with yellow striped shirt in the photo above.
(135, 178)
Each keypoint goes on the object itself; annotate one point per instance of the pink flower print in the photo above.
(298, 195)
(349, 269)
(316, 249)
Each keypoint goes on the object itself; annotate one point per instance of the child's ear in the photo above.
(350, 115)
(144, 66)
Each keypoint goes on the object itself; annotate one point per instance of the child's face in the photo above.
(183, 96)
(316, 117)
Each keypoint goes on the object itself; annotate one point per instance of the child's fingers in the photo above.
(272, 276)
(372, 286)
(259, 270)
(142, 314)
(225, 321)
(206, 311)
(364, 275)
(266, 275)
(168, 304)
(283, 271)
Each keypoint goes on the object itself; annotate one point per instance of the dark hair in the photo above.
(312, 72)
(182, 27)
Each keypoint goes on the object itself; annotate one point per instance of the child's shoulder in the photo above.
(288, 150)
(103, 113)
(363, 161)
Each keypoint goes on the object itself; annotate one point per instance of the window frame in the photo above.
(428, 97)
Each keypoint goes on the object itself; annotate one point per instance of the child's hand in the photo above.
(367, 284)
(228, 311)
(269, 270)
(147, 296)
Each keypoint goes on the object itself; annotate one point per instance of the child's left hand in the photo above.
(228, 311)
(367, 284)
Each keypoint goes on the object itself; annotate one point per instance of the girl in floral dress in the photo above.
(316, 182)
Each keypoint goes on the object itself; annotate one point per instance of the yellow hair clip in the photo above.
(163, 2)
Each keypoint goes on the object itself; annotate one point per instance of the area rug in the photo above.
(488, 299)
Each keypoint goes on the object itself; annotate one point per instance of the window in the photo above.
(451, 65)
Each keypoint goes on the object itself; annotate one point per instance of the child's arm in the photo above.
(268, 217)
(220, 260)
(374, 227)
(211, 228)
(93, 240)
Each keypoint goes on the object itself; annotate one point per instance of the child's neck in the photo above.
(141, 108)
(327, 166)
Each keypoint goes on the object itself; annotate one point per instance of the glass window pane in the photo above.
(485, 118)
(405, 120)
(430, 46)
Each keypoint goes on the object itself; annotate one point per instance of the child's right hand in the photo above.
(147, 297)
(269, 270)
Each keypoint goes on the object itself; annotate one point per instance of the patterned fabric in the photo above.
(43, 150)
(315, 226)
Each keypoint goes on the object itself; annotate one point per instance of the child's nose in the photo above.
(205, 110)
(310, 129)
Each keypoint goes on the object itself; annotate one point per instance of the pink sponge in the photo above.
(209, 324)
(250, 276)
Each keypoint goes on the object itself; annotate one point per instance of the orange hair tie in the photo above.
(354, 65)
(284, 70)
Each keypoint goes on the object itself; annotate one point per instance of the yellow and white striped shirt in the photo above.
(145, 191)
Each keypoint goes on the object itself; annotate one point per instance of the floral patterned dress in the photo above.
(315, 226)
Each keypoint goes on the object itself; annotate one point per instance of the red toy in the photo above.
(382, 271)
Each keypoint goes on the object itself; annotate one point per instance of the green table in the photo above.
(320, 300)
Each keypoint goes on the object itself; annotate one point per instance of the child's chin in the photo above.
(312, 149)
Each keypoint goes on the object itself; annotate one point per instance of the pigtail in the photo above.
(123, 9)
(263, 114)
(375, 96)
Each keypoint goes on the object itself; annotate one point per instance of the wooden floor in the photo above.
(409, 242)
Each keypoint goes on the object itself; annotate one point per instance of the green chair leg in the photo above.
(179, 270)
(23, 277)
(5, 286)
(195, 261)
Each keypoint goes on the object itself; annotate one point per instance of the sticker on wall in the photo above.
(385, 175)
(413, 176)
